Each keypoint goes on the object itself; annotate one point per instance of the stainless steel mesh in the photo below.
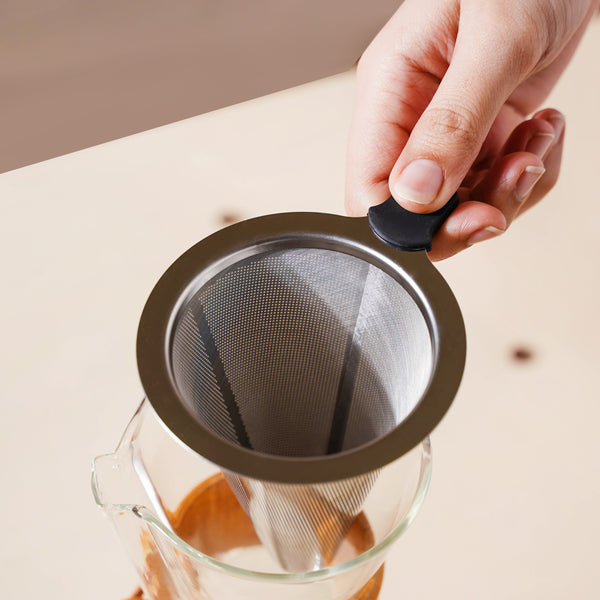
(301, 352)
(302, 525)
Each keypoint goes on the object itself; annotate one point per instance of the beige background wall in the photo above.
(74, 73)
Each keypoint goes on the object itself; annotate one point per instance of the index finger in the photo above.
(391, 94)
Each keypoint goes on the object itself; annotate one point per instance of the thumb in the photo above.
(449, 134)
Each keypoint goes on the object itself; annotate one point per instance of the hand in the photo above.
(443, 95)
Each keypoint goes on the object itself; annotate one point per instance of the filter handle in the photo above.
(406, 230)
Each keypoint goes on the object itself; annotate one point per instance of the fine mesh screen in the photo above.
(301, 352)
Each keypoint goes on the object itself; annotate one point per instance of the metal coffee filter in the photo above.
(298, 358)
(302, 352)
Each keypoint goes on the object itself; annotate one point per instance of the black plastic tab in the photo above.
(406, 230)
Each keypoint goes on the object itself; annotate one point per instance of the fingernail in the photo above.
(558, 122)
(540, 143)
(420, 182)
(527, 180)
(486, 233)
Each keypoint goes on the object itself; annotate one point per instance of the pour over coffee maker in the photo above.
(294, 366)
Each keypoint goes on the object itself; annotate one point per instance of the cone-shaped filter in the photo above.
(302, 352)
(302, 525)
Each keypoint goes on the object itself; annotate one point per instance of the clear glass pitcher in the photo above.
(189, 539)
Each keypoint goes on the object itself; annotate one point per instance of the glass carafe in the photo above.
(189, 539)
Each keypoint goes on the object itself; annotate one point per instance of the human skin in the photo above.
(446, 100)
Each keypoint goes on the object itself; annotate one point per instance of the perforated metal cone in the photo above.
(302, 524)
(300, 362)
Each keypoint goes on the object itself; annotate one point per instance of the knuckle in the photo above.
(456, 126)
(522, 57)
(552, 20)
(536, 29)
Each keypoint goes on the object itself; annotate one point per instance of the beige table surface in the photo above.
(514, 506)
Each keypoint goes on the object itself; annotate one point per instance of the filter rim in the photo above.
(350, 235)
